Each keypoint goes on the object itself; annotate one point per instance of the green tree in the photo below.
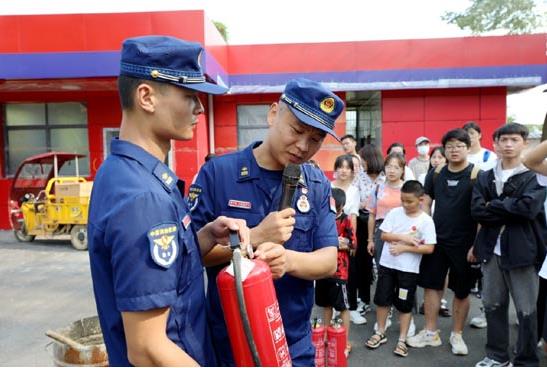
(514, 16)
(221, 27)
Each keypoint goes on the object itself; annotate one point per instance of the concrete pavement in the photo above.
(46, 284)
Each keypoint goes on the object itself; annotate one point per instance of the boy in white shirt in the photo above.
(408, 233)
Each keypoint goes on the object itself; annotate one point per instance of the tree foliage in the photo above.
(514, 16)
(221, 27)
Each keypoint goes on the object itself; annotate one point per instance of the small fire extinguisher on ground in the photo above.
(251, 312)
(318, 341)
(336, 345)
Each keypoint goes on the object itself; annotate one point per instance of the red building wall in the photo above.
(409, 114)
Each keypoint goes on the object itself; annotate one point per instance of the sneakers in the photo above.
(411, 329)
(479, 321)
(458, 345)
(357, 318)
(487, 362)
(388, 323)
(424, 338)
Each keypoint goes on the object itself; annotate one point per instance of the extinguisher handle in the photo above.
(234, 240)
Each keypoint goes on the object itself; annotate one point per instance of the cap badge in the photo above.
(327, 105)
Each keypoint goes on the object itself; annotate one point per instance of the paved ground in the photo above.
(46, 285)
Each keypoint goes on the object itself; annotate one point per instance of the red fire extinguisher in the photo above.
(336, 340)
(318, 340)
(264, 318)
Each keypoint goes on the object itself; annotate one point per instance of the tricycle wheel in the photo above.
(78, 237)
(22, 235)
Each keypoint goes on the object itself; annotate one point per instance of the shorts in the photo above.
(435, 266)
(332, 293)
(395, 288)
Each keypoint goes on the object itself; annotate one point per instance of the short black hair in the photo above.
(413, 187)
(457, 134)
(350, 136)
(472, 125)
(127, 87)
(512, 128)
(339, 198)
(396, 144)
(372, 156)
(340, 161)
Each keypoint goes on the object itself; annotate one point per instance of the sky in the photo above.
(293, 21)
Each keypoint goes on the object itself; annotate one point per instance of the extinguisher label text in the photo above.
(278, 334)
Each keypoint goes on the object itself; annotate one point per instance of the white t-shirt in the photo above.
(409, 175)
(352, 200)
(398, 222)
(505, 174)
(478, 159)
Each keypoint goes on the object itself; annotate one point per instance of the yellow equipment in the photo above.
(59, 207)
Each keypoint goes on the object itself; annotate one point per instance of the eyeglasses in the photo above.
(458, 147)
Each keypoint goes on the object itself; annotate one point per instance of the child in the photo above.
(408, 233)
(331, 292)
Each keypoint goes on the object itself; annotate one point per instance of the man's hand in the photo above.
(277, 227)
(470, 256)
(217, 232)
(275, 256)
(370, 248)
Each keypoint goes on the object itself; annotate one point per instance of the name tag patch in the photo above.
(239, 204)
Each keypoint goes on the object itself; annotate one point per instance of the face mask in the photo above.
(423, 150)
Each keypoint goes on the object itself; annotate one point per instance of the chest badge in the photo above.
(239, 204)
(303, 204)
(164, 247)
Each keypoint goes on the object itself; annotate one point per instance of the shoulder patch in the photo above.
(164, 246)
(193, 196)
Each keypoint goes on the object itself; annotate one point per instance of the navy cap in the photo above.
(313, 104)
(166, 59)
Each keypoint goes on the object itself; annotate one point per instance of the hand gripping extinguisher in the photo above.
(318, 341)
(336, 340)
(251, 312)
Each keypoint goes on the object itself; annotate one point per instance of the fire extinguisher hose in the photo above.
(236, 259)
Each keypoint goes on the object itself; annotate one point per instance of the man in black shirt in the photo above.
(451, 188)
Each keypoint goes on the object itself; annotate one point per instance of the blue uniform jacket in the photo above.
(234, 185)
(143, 252)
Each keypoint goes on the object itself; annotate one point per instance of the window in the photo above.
(252, 124)
(108, 135)
(33, 128)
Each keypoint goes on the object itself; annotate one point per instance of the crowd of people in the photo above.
(149, 244)
(455, 210)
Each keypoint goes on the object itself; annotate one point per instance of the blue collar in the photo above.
(168, 178)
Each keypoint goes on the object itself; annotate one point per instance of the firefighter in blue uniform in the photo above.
(247, 185)
(145, 255)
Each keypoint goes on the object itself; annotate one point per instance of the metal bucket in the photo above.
(80, 344)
